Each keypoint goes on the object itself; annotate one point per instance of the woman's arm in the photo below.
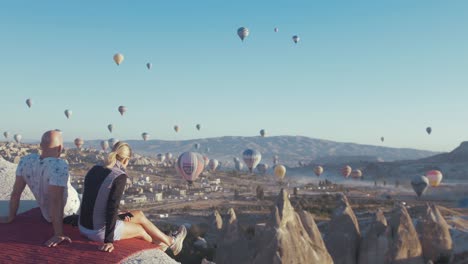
(112, 209)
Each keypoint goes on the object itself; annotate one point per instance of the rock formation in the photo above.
(435, 236)
(374, 244)
(288, 237)
(343, 237)
(404, 245)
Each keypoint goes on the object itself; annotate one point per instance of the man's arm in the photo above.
(56, 213)
(15, 198)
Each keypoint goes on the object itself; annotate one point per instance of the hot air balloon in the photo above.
(196, 146)
(198, 126)
(112, 142)
(29, 102)
(262, 168)
(356, 174)
(419, 184)
(243, 32)
(239, 166)
(251, 158)
(434, 177)
(190, 165)
(104, 145)
(318, 170)
(110, 127)
(280, 172)
(429, 130)
(68, 113)
(118, 58)
(168, 156)
(346, 171)
(276, 29)
(79, 142)
(6, 134)
(176, 128)
(213, 165)
(382, 139)
(149, 66)
(296, 39)
(122, 109)
(263, 133)
(161, 157)
(17, 138)
(145, 136)
(236, 159)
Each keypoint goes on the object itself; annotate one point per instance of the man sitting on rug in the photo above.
(48, 178)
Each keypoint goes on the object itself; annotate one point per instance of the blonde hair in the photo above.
(120, 152)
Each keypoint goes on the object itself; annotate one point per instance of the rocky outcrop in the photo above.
(404, 245)
(288, 237)
(343, 237)
(435, 236)
(374, 244)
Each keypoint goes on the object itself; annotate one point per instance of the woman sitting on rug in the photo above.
(99, 219)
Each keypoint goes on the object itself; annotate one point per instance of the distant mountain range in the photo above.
(290, 149)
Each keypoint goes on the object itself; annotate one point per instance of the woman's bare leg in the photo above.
(132, 230)
(154, 232)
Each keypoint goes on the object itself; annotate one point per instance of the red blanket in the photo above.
(22, 242)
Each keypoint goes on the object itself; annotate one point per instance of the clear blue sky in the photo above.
(363, 69)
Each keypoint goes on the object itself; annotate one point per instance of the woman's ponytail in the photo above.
(120, 152)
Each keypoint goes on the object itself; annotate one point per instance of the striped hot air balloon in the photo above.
(190, 165)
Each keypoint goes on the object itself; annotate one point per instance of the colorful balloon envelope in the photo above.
(176, 128)
(346, 171)
(276, 29)
(122, 109)
(243, 32)
(104, 145)
(213, 165)
(79, 142)
(263, 133)
(296, 39)
(29, 102)
(112, 142)
(196, 146)
(149, 66)
(145, 136)
(6, 134)
(239, 166)
(118, 58)
(206, 160)
(356, 174)
(429, 130)
(161, 157)
(419, 184)
(68, 113)
(280, 172)
(110, 127)
(17, 138)
(190, 165)
(434, 177)
(198, 126)
(252, 158)
(318, 170)
(382, 139)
